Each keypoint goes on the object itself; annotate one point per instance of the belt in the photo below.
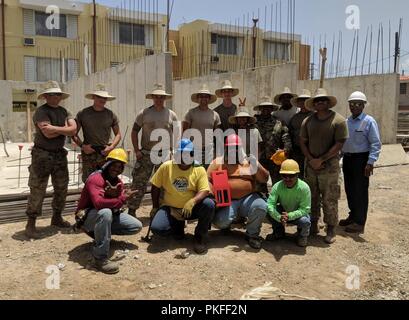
(357, 154)
(51, 151)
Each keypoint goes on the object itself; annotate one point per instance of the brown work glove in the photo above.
(112, 192)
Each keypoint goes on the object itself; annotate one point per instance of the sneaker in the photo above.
(302, 242)
(254, 242)
(346, 222)
(355, 228)
(106, 266)
(59, 222)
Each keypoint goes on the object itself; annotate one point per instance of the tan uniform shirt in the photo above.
(149, 119)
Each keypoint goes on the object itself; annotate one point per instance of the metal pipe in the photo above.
(3, 30)
(254, 41)
(94, 28)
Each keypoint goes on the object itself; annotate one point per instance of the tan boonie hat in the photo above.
(321, 93)
(100, 92)
(242, 114)
(204, 90)
(306, 94)
(266, 102)
(286, 91)
(52, 87)
(226, 85)
(159, 91)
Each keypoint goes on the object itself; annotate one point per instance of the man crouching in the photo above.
(101, 203)
(185, 197)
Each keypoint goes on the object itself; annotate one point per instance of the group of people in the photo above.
(311, 136)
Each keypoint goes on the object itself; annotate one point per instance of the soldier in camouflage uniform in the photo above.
(295, 127)
(96, 123)
(322, 137)
(275, 137)
(52, 123)
(149, 119)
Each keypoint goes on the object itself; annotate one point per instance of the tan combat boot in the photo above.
(106, 266)
(31, 230)
(330, 237)
(59, 222)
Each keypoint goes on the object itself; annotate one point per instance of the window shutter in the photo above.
(72, 26)
(149, 36)
(30, 69)
(29, 22)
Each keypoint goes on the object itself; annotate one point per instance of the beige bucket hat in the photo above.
(305, 94)
(286, 91)
(204, 90)
(266, 102)
(226, 85)
(100, 92)
(242, 114)
(159, 91)
(321, 93)
(52, 87)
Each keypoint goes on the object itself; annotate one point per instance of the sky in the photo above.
(314, 19)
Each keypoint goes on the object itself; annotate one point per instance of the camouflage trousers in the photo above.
(274, 171)
(140, 177)
(43, 165)
(90, 163)
(297, 155)
(325, 188)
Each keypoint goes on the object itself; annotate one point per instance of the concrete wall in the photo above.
(382, 91)
(129, 83)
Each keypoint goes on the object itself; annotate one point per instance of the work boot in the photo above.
(132, 212)
(106, 266)
(59, 222)
(302, 241)
(355, 228)
(200, 246)
(346, 222)
(254, 242)
(31, 230)
(330, 237)
(275, 236)
(315, 229)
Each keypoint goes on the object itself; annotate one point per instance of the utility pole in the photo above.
(397, 51)
(312, 64)
(167, 26)
(94, 30)
(254, 42)
(323, 53)
(3, 31)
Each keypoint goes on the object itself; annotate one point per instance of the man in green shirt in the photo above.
(290, 203)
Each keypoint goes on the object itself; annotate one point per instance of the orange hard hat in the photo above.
(279, 157)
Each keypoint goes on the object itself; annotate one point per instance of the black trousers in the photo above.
(356, 186)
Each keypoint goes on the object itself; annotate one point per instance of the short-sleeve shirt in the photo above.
(202, 120)
(179, 185)
(97, 125)
(286, 115)
(150, 119)
(323, 134)
(225, 113)
(295, 127)
(55, 116)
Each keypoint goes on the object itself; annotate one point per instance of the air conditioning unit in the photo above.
(149, 52)
(29, 91)
(29, 42)
(214, 59)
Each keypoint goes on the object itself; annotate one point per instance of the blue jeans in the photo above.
(103, 223)
(303, 225)
(252, 207)
(164, 224)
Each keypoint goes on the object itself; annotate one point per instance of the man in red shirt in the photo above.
(102, 201)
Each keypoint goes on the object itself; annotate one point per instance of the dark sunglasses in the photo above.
(54, 94)
(318, 100)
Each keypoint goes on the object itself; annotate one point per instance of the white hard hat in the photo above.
(358, 96)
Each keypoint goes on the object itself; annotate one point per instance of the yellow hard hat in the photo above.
(279, 157)
(290, 167)
(118, 154)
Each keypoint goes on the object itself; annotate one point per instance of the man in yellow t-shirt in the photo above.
(185, 197)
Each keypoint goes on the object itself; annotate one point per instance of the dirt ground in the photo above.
(231, 268)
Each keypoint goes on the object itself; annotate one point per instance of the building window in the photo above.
(225, 44)
(130, 33)
(276, 50)
(44, 69)
(403, 88)
(21, 106)
(41, 27)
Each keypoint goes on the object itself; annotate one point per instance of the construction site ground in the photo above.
(231, 268)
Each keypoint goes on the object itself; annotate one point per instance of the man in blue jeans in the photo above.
(100, 210)
(290, 203)
(185, 197)
(243, 173)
